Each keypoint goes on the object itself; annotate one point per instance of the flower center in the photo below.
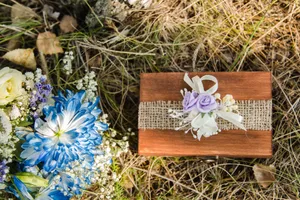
(205, 101)
(59, 133)
(9, 86)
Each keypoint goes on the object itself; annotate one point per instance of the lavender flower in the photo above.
(190, 101)
(40, 94)
(206, 103)
(3, 170)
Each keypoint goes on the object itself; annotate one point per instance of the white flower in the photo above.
(89, 84)
(217, 96)
(228, 100)
(29, 84)
(10, 85)
(205, 125)
(67, 61)
(92, 75)
(15, 112)
(229, 103)
(7, 149)
(5, 127)
(29, 75)
(38, 75)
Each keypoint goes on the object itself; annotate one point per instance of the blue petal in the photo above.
(20, 186)
(96, 112)
(73, 105)
(72, 134)
(50, 165)
(57, 195)
(69, 94)
(101, 126)
(80, 95)
(35, 142)
(27, 152)
(94, 105)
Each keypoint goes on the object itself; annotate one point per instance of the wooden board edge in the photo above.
(144, 77)
(267, 154)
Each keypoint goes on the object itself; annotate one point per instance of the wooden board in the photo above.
(231, 143)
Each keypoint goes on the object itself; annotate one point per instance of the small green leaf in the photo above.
(202, 115)
(31, 180)
(18, 150)
(25, 123)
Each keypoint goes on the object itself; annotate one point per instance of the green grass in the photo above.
(191, 36)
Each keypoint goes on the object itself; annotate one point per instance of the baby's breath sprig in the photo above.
(89, 84)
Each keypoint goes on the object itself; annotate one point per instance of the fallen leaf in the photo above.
(68, 24)
(21, 13)
(264, 174)
(127, 183)
(13, 44)
(95, 61)
(24, 57)
(48, 43)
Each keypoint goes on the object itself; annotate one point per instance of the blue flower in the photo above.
(69, 132)
(20, 190)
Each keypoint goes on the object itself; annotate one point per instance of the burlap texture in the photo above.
(154, 115)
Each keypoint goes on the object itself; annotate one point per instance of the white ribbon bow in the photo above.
(196, 84)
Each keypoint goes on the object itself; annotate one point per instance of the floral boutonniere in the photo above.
(201, 108)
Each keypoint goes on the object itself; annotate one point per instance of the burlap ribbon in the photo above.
(154, 115)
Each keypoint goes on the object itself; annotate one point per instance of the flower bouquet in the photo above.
(202, 107)
(53, 146)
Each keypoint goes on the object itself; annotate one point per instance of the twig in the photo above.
(113, 51)
(44, 66)
(175, 182)
(288, 100)
(18, 29)
(195, 55)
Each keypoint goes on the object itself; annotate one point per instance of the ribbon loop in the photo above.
(196, 83)
(214, 88)
(233, 118)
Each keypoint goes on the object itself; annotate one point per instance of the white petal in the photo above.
(43, 128)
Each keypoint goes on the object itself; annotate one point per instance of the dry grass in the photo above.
(198, 35)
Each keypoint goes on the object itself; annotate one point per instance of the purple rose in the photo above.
(190, 101)
(206, 103)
